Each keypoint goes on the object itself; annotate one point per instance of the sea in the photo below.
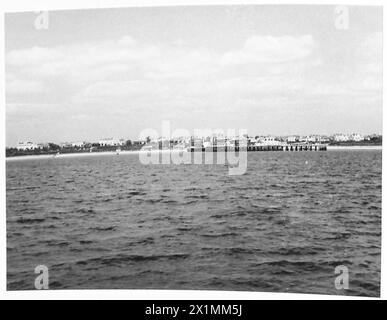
(112, 222)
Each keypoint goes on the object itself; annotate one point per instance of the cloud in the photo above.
(130, 70)
(370, 63)
(269, 49)
(16, 86)
(127, 77)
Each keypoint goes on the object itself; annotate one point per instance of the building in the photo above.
(111, 142)
(341, 137)
(27, 146)
(43, 145)
(65, 145)
(78, 144)
(221, 142)
(180, 146)
(139, 142)
(196, 142)
(292, 139)
(357, 137)
(207, 144)
(269, 141)
(150, 146)
(242, 141)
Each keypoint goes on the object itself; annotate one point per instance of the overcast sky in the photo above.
(268, 69)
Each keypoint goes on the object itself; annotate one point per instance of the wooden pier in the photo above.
(288, 147)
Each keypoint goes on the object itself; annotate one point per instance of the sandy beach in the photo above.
(86, 154)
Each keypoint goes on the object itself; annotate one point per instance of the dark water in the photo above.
(111, 222)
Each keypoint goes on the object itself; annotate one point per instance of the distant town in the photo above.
(181, 143)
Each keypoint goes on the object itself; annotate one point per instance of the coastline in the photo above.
(334, 148)
(85, 154)
(133, 152)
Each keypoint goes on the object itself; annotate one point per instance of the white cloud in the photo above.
(269, 49)
(126, 69)
(370, 63)
(127, 77)
(19, 86)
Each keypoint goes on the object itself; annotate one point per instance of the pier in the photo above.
(283, 148)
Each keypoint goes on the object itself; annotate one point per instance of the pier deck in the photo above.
(290, 147)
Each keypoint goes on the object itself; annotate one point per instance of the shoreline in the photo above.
(86, 154)
(333, 148)
(132, 152)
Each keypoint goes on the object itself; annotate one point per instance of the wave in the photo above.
(123, 258)
(30, 220)
(109, 228)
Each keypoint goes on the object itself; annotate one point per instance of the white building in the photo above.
(207, 144)
(341, 137)
(242, 141)
(269, 141)
(253, 140)
(324, 139)
(111, 142)
(357, 137)
(221, 142)
(65, 144)
(27, 146)
(78, 144)
(291, 139)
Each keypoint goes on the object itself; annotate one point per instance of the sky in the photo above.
(277, 70)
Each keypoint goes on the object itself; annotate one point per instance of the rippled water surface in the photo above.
(112, 222)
